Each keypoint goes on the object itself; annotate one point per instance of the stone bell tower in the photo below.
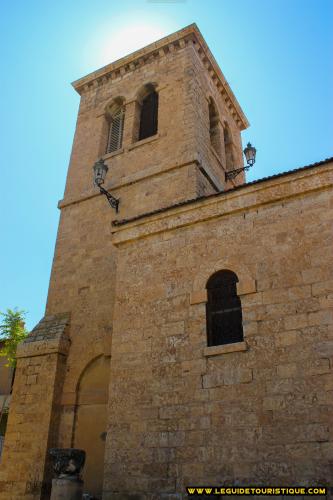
(164, 120)
(167, 125)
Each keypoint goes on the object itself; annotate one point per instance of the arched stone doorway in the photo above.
(90, 421)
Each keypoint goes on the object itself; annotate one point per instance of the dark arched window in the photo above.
(228, 148)
(223, 309)
(214, 131)
(148, 116)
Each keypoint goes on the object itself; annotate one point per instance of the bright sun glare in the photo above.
(123, 41)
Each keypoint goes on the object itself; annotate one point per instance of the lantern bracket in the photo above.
(100, 171)
(111, 199)
(233, 173)
(250, 155)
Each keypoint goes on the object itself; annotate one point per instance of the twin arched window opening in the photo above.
(145, 122)
(216, 131)
(223, 309)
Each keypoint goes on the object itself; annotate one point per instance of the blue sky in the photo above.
(275, 54)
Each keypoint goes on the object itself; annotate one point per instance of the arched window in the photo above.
(116, 117)
(228, 148)
(149, 115)
(223, 309)
(214, 130)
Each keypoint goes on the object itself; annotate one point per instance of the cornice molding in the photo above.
(130, 179)
(188, 36)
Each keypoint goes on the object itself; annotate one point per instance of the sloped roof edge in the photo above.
(221, 193)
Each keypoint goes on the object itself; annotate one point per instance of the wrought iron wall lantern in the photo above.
(250, 155)
(100, 171)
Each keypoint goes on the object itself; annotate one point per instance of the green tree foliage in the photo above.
(12, 332)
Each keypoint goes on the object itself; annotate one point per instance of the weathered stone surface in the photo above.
(256, 412)
(33, 422)
(263, 403)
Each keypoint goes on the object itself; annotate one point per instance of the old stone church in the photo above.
(187, 337)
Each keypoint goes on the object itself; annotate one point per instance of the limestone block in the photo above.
(286, 338)
(238, 376)
(299, 292)
(246, 286)
(225, 349)
(318, 366)
(320, 317)
(274, 402)
(322, 288)
(296, 321)
(212, 380)
(324, 348)
(286, 371)
(227, 377)
(250, 328)
(198, 297)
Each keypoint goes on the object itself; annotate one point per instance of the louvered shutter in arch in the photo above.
(149, 116)
(115, 138)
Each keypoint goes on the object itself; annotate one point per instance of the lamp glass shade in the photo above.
(100, 171)
(250, 154)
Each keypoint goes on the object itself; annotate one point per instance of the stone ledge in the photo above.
(144, 141)
(225, 349)
(43, 347)
(114, 153)
(130, 179)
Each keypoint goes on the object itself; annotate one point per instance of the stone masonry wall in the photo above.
(145, 175)
(34, 414)
(200, 89)
(164, 165)
(179, 413)
(135, 159)
(83, 280)
(257, 413)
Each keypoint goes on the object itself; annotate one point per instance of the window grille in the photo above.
(223, 309)
(115, 138)
(149, 116)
